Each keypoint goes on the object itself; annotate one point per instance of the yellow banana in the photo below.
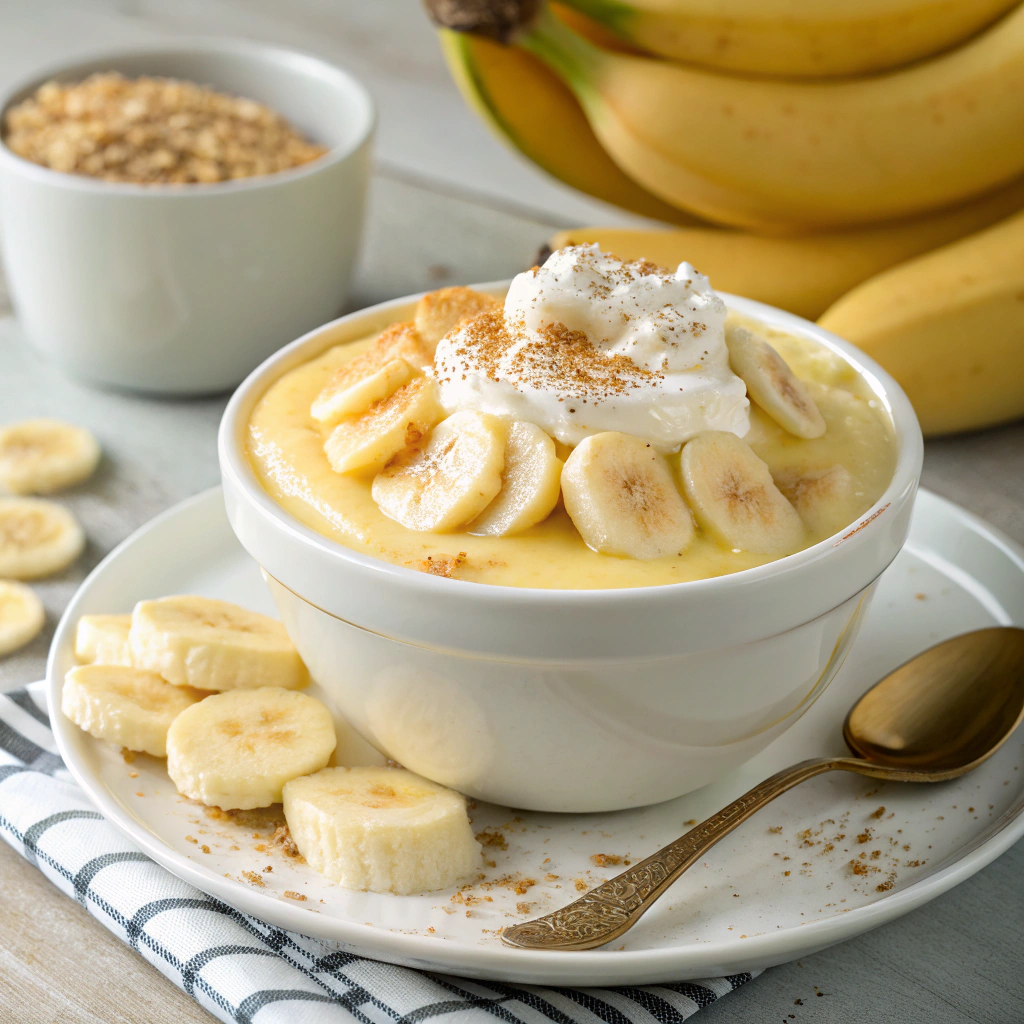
(528, 107)
(949, 326)
(803, 274)
(795, 38)
(778, 155)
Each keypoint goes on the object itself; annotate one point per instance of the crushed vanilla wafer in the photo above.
(152, 131)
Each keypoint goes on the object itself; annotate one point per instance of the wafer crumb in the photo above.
(152, 131)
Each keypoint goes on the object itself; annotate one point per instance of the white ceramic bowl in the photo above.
(567, 700)
(185, 288)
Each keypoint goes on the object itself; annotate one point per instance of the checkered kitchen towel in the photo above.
(238, 967)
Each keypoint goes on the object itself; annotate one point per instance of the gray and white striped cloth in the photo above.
(238, 967)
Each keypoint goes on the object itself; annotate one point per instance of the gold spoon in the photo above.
(935, 718)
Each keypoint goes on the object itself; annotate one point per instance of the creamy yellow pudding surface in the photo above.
(285, 447)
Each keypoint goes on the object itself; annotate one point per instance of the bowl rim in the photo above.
(296, 61)
(235, 464)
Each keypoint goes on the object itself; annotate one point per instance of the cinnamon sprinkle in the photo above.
(558, 359)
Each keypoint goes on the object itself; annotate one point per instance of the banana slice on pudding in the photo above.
(129, 707)
(213, 645)
(42, 456)
(394, 359)
(439, 311)
(530, 483)
(37, 538)
(826, 499)
(400, 421)
(237, 750)
(621, 497)
(381, 829)
(772, 384)
(450, 480)
(734, 497)
(21, 616)
(103, 640)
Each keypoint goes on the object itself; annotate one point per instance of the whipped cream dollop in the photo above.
(588, 343)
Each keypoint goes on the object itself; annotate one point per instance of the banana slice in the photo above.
(826, 499)
(213, 645)
(772, 384)
(450, 480)
(530, 483)
(621, 497)
(37, 538)
(381, 829)
(103, 640)
(438, 312)
(126, 706)
(403, 419)
(238, 749)
(394, 359)
(43, 456)
(734, 497)
(21, 616)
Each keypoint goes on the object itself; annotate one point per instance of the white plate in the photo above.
(779, 887)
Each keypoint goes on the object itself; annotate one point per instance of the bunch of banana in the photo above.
(779, 155)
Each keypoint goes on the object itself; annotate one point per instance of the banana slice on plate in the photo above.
(772, 384)
(530, 483)
(213, 645)
(21, 616)
(394, 359)
(43, 456)
(237, 750)
(621, 497)
(438, 312)
(126, 706)
(381, 829)
(826, 499)
(37, 538)
(401, 420)
(734, 497)
(103, 640)
(450, 480)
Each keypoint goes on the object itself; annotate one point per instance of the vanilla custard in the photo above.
(646, 349)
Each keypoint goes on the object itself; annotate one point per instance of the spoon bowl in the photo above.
(945, 711)
(936, 717)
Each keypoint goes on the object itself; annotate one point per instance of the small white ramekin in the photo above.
(183, 289)
(567, 700)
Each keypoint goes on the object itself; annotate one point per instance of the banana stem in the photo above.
(573, 58)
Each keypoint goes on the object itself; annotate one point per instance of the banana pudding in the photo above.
(609, 425)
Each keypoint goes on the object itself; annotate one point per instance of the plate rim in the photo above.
(593, 968)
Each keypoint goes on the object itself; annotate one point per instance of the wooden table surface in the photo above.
(435, 218)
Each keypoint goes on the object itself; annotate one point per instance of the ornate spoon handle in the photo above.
(613, 907)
